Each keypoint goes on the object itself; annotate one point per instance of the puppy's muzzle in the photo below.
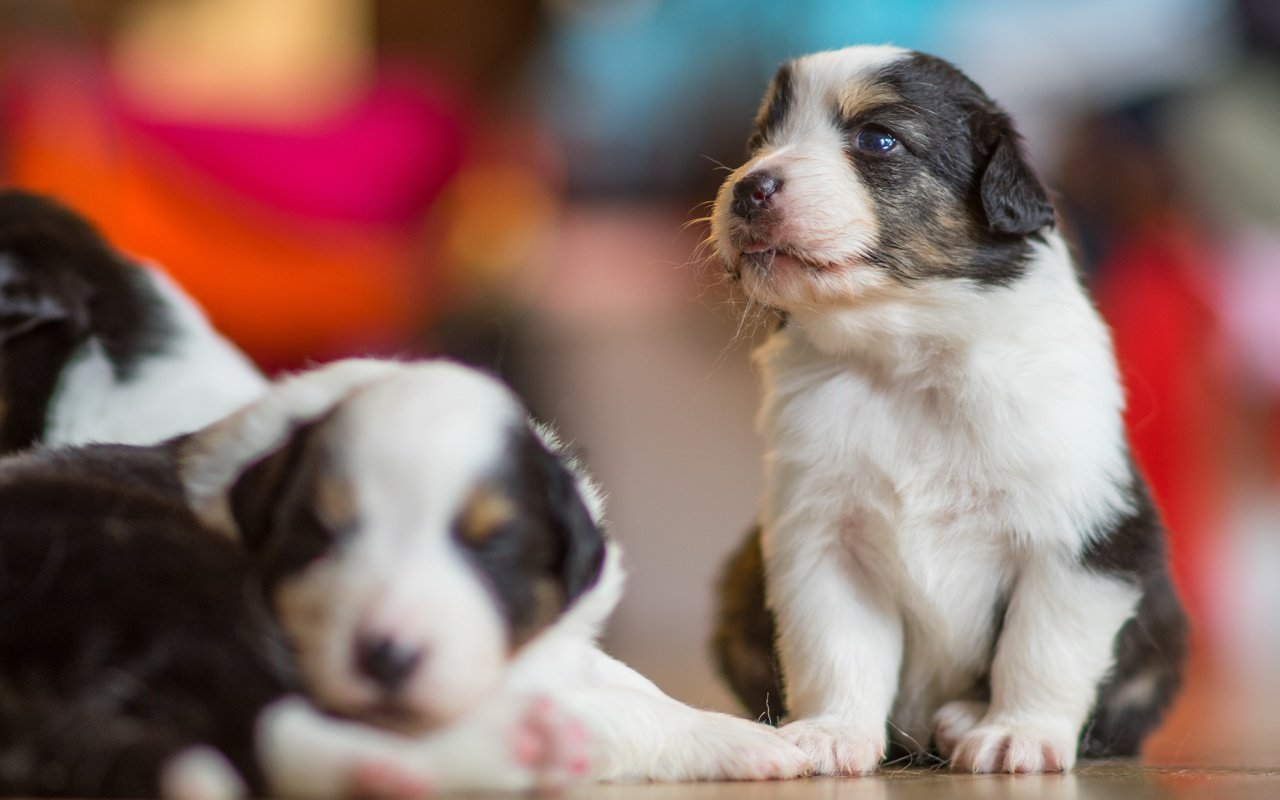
(754, 194)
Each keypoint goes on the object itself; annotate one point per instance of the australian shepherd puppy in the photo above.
(96, 347)
(955, 551)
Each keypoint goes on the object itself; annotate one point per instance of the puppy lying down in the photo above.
(418, 552)
(955, 551)
(97, 348)
(369, 544)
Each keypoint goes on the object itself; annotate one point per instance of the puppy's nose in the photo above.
(389, 664)
(754, 193)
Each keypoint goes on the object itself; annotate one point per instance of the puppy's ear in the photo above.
(1014, 200)
(31, 298)
(276, 504)
(583, 555)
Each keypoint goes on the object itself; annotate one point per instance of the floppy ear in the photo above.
(583, 556)
(31, 298)
(274, 504)
(1013, 199)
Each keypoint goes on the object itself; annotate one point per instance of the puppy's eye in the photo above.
(874, 139)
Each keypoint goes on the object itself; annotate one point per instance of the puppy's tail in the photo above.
(67, 755)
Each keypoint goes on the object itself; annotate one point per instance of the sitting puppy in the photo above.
(140, 651)
(96, 348)
(953, 539)
(426, 531)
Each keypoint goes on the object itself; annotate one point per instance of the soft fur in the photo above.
(95, 348)
(955, 551)
(441, 479)
(146, 652)
(419, 554)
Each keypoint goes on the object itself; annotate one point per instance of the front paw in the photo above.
(836, 747)
(1014, 748)
(553, 746)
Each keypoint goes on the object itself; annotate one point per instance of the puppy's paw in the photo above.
(836, 747)
(953, 721)
(554, 747)
(374, 778)
(726, 748)
(1014, 748)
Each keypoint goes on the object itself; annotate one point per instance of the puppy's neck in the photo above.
(919, 327)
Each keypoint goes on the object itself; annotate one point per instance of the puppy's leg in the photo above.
(1056, 645)
(641, 734)
(840, 644)
(515, 745)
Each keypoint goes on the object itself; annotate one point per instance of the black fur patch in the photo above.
(744, 641)
(128, 632)
(1134, 547)
(549, 551)
(1151, 648)
(774, 111)
(274, 504)
(958, 198)
(61, 284)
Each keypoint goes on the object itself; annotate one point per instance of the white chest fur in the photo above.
(927, 443)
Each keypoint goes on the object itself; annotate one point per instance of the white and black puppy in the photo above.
(144, 653)
(94, 348)
(953, 542)
(437, 548)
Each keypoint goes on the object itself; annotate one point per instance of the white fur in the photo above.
(931, 447)
(415, 440)
(198, 378)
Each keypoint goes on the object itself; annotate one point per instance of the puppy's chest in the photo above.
(916, 491)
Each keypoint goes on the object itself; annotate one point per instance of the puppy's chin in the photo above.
(789, 281)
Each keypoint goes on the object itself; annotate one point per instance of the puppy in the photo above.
(953, 540)
(96, 348)
(444, 535)
(145, 653)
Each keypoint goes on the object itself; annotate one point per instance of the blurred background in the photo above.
(517, 183)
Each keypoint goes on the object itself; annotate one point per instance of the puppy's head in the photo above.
(412, 539)
(871, 169)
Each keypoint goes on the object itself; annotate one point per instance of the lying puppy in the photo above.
(140, 652)
(125, 357)
(96, 348)
(442, 535)
(953, 538)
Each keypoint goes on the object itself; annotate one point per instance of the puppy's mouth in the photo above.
(764, 256)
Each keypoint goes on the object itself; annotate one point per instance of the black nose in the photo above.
(387, 663)
(754, 192)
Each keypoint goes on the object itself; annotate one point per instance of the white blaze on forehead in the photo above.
(419, 443)
(823, 82)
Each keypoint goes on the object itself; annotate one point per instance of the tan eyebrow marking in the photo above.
(861, 95)
(486, 511)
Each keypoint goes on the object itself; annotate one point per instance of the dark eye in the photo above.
(874, 139)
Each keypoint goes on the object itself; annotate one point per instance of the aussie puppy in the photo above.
(94, 347)
(143, 651)
(431, 547)
(954, 545)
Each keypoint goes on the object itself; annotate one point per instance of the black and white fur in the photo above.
(95, 348)
(365, 494)
(954, 545)
(144, 652)
(454, 527)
